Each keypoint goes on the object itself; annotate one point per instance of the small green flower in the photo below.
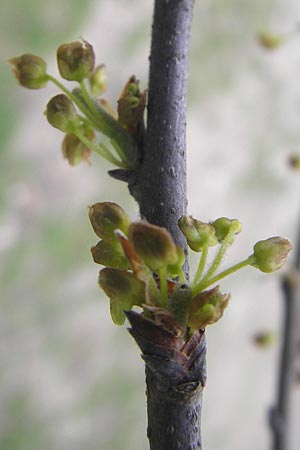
(106, 218)
(61, 113)
(223, 226)
(76, 60)
(109, 255)
(153, 244)
(30, 71)
(197, 233)
(122, 287)
(271, 254)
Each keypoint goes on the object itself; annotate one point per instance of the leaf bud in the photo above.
(109, 255)
(75, 60)
(106, 217)
(98, 80)
(30, 71)
(61, 113)
(73, 150)
(223, 226)
(197, 233)
(131, 104)
(153, 244)
(122, 287)
(271, 254)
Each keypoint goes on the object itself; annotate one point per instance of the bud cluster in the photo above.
(144, 265)
(81, 112)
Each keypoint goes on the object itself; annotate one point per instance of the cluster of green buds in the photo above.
(144, 267)
(80, 113)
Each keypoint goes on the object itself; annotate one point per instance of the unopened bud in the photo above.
(197, 233)
(75, 60)
(98, 80)
(294, 161)
(223, 226)
(264, 339)
(61, 113)
(30, 71)
(270, 41)
(153, 244)
(106, 217)
(271, 254)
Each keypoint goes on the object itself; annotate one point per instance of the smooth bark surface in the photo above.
(161, 185)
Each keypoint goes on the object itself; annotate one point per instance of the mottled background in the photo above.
(69, 378)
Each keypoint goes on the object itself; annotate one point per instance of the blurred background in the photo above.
(69, 378)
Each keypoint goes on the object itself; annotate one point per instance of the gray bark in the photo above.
(175, 368)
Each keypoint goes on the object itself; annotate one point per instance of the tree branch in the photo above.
(161, 186)
(175, 368)
(289, 356)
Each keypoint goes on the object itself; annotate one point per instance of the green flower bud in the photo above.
(270, 41)
(98, 80)
(223, 226)
(75, 60)
(207, 308)
(264, 339)
(61, 114)
(30, 71)
(122, 287)
(109, 255)
(107, 217)
(153, 244)
(271, 254)
(74, 150)
(197, 233)
(294, 161)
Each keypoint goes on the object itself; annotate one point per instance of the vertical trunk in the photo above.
(175, 369)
